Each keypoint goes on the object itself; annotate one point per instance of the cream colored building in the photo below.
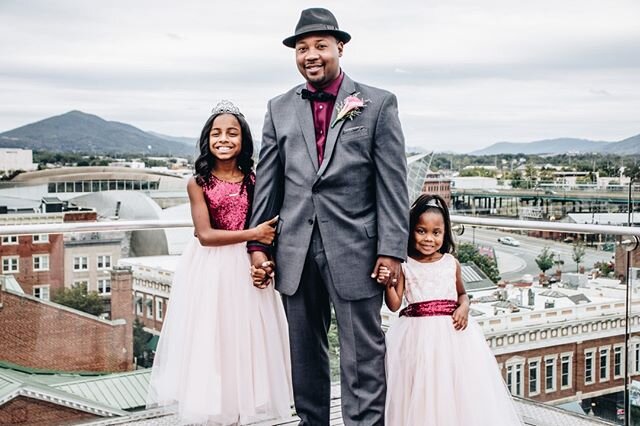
(16, 159)
(90, 261)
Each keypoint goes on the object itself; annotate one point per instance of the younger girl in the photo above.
(440, 370)
(223, 355)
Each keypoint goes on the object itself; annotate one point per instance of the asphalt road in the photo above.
(514, 262)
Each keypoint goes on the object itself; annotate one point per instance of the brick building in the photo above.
(40, 334)
(438, 184)
(622, 268)
(37, 261)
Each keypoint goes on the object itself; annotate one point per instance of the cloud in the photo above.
(466, 74)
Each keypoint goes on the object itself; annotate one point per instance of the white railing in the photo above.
(135, 225)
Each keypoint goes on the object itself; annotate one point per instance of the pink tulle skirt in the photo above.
(223, 355)
(439, 376)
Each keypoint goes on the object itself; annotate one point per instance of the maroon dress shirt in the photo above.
(322, 111)
(322, 114)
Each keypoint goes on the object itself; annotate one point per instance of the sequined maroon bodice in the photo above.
(227, 202)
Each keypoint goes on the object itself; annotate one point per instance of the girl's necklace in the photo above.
(230, 180)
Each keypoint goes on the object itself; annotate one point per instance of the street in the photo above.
(514, 262)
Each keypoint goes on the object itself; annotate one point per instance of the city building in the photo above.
(37, 261)
(39, 334)
(13, 159)
(438, 184)
(560, 344)
(421, 179)
(89, 259)
(69, 182)
(152, 277)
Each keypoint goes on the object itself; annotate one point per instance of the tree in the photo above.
(467, 252)
(545, 259)
(578, 253)
(143, 357)
(77, 297)
(633, 172)
(517, 181)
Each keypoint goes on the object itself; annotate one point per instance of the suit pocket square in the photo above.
(354, 132)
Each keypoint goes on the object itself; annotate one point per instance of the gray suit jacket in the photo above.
(358, 195)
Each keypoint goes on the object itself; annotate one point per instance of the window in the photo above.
(104, 261)
(9, 240)
(40, 262)
(80, 263)
(604, 364)
(514, 379)
(104, 286)
(10, 264)
(138, 305)
(159, 306)
(550, 374)
(41, 292)
(40, 238)
(588, 366)
(149, 306)
(534, 376)
(565, 371)
(617, 362)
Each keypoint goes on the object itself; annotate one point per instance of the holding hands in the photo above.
(262, 269)
(386, 271)
(383, 276)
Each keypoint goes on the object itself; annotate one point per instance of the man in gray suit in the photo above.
(338, 183)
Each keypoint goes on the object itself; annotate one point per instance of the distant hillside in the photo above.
(549, 146)
(625, 147)
(77, 131)
(187, 141)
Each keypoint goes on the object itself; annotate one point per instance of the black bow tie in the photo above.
(317, 96)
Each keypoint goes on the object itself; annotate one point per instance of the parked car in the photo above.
(509, 241)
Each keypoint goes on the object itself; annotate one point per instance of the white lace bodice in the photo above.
(430, 281)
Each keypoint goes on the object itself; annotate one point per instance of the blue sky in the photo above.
(466, 73)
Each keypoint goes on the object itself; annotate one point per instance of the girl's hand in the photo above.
(261, 277)
(461, 317)
(266, 231)
(383, 275)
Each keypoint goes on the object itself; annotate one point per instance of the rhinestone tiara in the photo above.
(225, 107)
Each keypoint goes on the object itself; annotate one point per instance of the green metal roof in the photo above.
(122, 390)
(114, 392)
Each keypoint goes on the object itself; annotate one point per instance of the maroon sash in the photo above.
(430, 308)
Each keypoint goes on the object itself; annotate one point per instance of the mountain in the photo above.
(625, 147)
(187, 141)
(76, 131)
(548, 146)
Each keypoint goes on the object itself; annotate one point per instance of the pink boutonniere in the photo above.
(349, 108)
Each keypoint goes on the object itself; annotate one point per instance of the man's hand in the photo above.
(392, 265)
(262, 269)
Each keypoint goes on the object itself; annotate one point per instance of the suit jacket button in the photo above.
(310, 221)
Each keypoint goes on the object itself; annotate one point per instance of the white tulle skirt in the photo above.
(223, 355)
(439, 376)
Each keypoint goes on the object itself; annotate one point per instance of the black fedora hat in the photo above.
(316, 20)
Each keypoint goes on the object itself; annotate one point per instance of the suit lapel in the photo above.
(346, 88)
(305, 118)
